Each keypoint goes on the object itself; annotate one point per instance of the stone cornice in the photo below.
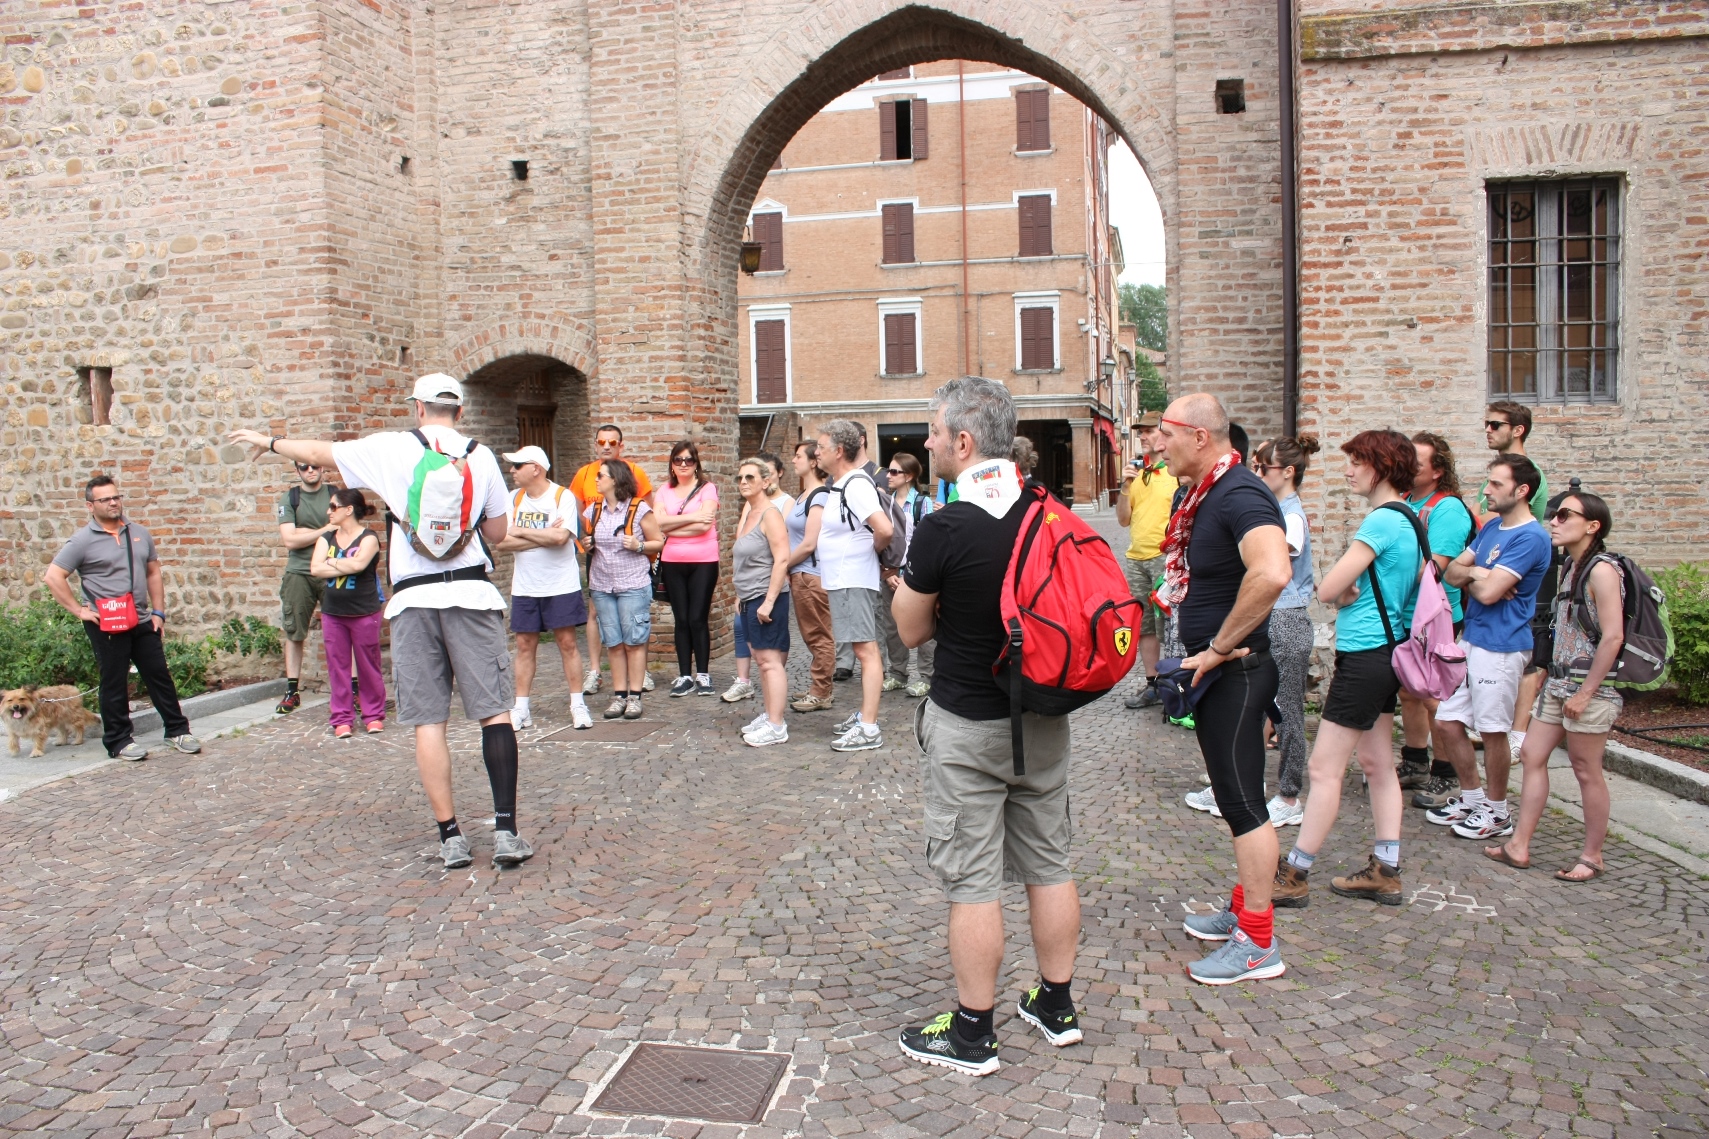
(1435, 28)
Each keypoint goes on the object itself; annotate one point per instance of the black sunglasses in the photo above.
(1496, 424)
(1564, 512)
(301, 467)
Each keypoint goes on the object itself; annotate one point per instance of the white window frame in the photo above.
(1053, 301)
(902, 306)
(757, 313)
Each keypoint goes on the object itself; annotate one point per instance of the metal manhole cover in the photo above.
(604, 731)
(694, 1083)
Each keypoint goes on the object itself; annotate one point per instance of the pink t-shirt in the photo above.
(670, 501)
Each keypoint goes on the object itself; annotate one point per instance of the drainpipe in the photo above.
(1290, 221)
(961, 125)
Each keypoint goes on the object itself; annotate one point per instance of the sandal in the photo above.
(1505, 858)
(1566, 875)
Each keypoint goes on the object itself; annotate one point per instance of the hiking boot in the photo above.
(1436, 792)
(1413, 775)
(861, 737)
(291, 702)
(1060, 1028)
(1377, 881)
(510, 849)
(132, 751)
(935, 1043)
(1239, 959)
(1219, 926)
(1290, 891)
(632, 708)
(615, 709)
(455, 852)
(1451, 812)
(808, 702)
(739, 690)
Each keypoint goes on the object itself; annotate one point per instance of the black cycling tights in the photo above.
(690, 585)
(1230, 726)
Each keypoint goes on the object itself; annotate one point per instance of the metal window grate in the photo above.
(1554, 319)
(713, 1084)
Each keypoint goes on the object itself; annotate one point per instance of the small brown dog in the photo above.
(42, 711)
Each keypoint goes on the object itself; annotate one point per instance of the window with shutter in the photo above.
(898, 233)
(1032, 120)
(1038, 339)
(768, 231)
(771, 374)
(1034, 210)
(917, 110)
(901, 344)
(887, 132)
(901, 130)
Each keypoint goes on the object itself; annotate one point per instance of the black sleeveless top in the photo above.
(357, 594)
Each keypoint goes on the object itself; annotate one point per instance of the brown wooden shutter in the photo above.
(768, 231)
(908, 344)
(1035, 225)
(893, 344)
(771, 377)
(920, 131)
(898, 233)
(1038, 347)
(887, 132)
(1025, 209)
(1032, 120)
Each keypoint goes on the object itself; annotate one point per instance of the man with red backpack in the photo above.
(445, 500)
(984, 820)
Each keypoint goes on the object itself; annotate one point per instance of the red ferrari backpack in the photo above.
(1068, 614)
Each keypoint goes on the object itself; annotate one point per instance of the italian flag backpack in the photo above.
(441, 520)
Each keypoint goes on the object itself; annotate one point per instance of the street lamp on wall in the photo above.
(1107, 368)
(751, 251)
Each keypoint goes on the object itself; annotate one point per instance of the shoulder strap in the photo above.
(1581, 588)
(1417, 526)
(1382, 608)
(421, 437)
(558, 498)
(296, 497)
(629, 519)
(1429, 505)
(919, 506)
(516, 503)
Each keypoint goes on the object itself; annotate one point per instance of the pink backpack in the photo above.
(1429, 662)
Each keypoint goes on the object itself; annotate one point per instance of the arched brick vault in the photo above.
(523, 336)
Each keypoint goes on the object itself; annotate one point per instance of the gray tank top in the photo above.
(750, 563)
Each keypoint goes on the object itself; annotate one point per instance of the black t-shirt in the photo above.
(357, 594)
(1236, 505)
(961, 553)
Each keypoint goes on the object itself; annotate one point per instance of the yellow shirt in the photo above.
(1149, 503)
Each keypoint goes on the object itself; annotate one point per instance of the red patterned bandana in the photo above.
(1173, 591)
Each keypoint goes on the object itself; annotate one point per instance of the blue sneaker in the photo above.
(1238, 959)
(1212, 927)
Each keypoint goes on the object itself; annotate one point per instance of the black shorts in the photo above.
(1364, 687)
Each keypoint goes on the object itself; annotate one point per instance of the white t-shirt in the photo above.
(545, 571)
(385, 463)
(846, 557)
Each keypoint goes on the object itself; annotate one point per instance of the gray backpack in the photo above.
(1648, 650)
(895, 555)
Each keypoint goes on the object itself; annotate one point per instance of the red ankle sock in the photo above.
(1237, 900)
(1260, 927)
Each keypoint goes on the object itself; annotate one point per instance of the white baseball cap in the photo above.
(437, 388)
(530, 454)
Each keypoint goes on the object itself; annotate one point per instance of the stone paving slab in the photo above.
(259, 941)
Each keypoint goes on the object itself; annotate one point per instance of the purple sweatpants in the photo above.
(359, 637)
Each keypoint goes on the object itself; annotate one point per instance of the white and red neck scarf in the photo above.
(1173, 591)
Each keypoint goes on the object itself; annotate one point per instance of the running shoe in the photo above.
(510, 849)
(1204, 801)
(753, 723)
(614, 709)
(521, 720)
(1186, 721)
(375, 727)
(811, 703)
(1484, 823)
(847, 722)
(1146, 697)
(291, 702)
(919, 688)
(455, 852)
(186, 743)
(861, 737)
(590, 683)
(682, 686)
(1451, 812)
(647, 681)
(891, 684)
(935, 1043)
(580, 717)
(1282, 815)
(1436, 792)
(740, 690)
(1060, 1028)
(766, 734)
(842, 674)
(632, 707)
(1239, 959)
(1219, 926)
(132, 751)
(703, 685)
(343, 732)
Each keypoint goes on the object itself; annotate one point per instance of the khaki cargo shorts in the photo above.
(984, 826)
(1142, 579)
(299, 594)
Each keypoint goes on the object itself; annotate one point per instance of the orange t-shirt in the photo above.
(582, 486)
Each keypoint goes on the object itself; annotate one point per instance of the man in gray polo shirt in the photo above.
(112, 557)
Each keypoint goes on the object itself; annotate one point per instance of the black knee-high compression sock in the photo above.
(498, 751)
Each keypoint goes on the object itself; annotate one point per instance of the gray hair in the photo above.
(441, 410)
(982, 408)
(845, 436)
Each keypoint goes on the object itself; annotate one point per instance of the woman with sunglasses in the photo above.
(771, 470)
(759, 564)
(623, 536)
(1576, 705)
(904, 474)
(346, 558)
(686, 509)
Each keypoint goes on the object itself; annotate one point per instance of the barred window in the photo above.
(1554, 290)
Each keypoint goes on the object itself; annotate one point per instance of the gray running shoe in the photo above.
(646, 682)
(1219, 926)
(455, 852)
(131, 751)
(1238, 959)
(615, 709)
(1436, 792)
(510, 849)
(1146, 697)
(847, 722)
(632, 709)
(186, 743)
(861, 737)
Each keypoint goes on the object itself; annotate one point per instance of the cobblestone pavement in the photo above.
(259, 941)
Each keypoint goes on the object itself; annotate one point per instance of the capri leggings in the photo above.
(1290, 644)
(690, 586)
(1230, 725)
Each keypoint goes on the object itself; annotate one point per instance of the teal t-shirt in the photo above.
(1450, 530)
(1359, 626)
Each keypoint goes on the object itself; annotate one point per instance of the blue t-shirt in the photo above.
(1359, 626)
(1450, 528)
(1524, 551)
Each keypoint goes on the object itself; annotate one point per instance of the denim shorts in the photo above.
(772, 635)
(625, 618)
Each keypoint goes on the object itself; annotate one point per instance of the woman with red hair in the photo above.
(1374, 586)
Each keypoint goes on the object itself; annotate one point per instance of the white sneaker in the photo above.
(646, 682)
(520, 719)
(590, 685)
(861, 737)
(1515, 741)
(1282, 815)
(847, 722)
(740, 690)
(580, 716)
(753, 724)
(1204, 801)
(767, 734)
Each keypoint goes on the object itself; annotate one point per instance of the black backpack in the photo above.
(895, 555)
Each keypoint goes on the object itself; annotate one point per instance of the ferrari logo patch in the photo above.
(1124, 640)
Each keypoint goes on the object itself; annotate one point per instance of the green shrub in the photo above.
(248, 636)
(1687, 588)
